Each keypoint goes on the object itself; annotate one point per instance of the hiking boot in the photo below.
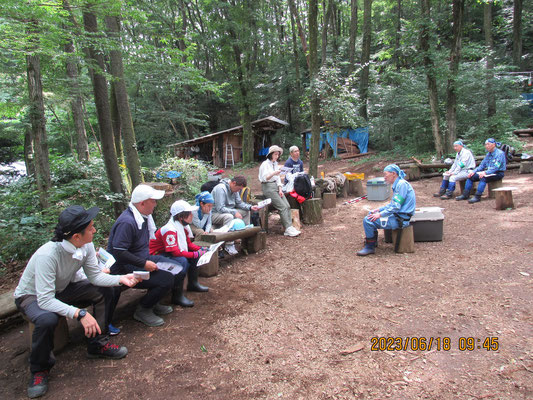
(475, 199)
(147, 316)
(370, 247)
(161, 309)
(177, 293)
(108, 350)
(291, 231)
(38, 384)
(113, 330)
(447, 196)
(440, 192)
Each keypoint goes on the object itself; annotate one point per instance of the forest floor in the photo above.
(296, 320)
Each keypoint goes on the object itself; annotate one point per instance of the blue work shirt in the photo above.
(403, 200)
(493, 162)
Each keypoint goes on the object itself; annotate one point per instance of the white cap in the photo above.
(180, 206)
(145, 192)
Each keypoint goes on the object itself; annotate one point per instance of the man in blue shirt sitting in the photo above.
(394, 215)
(294, 161)
(491, 169)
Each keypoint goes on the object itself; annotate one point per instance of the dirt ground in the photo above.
(296, 320)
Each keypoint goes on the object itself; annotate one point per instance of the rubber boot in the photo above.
(370, 246)
(440, 193)
(177, 293)
(193, 285)
(475, 199)
(464, 196)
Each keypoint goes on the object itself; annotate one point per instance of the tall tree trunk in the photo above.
(517, 33)
(37, 119)
(121, 93)
(365, 57)
(76, 105)
(327, 19)
(353, 36)
(296, 56)
(455, 58)
(28, 152)
(315, 100)
(397, 50)
(115, 122)
(301, 33)
(103, 113)
(430, 75)
(489, 43)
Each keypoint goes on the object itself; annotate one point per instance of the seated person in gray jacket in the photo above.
(46, 291)
(229, 205)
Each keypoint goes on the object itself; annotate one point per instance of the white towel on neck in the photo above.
(77, 252)
(139, 218)
(180, 232)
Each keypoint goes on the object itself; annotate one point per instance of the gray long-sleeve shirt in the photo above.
(227, 201)
(51, 269)
(464, 161)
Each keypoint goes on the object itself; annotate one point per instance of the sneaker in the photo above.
(113, 330)
(161, 309)
(38, 384)
(108, 350)
(147, 316)
(292, 231)
(230, 248)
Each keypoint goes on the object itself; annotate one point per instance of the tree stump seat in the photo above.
(329, 200)
(61, 334)
(462, 186)
(494, 185)
(407, 241)
(504, 197)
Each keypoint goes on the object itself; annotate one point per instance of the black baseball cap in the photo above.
(74, 219)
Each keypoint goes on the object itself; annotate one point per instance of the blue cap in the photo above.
(459, 142)
(204, 197)
(490, 140)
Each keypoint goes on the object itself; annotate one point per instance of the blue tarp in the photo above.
(359, 136)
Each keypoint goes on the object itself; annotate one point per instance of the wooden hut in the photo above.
(224, 148)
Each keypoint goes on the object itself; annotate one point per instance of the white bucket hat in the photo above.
(274, 148)
(181, 206)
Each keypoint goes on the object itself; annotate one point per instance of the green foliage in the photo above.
(23, 228)
(193, 174)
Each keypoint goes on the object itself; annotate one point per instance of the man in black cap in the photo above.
(46, 291)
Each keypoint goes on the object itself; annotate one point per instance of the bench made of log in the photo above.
(494, 185)
(407, 242)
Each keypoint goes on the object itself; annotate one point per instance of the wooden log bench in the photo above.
(504, 197)
(462, 186)
(253, 239)
(61, 333)
(329, 200)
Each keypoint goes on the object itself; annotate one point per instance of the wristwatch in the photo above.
(82, 313)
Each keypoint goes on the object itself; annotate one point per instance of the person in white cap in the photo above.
(294, 162)
(128, 243)
(272, 188)
(174, 241)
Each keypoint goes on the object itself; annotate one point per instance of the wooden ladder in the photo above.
(229, 152)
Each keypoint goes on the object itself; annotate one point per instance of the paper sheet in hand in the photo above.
(285, 170)
(264, 203)
(213, 249)
(105, 260)
(174, 269)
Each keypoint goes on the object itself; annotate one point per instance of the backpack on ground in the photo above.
(302, 186)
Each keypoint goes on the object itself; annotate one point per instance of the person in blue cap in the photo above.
(463, 163)
(394, 215)
(491, 169)
(202, 218)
